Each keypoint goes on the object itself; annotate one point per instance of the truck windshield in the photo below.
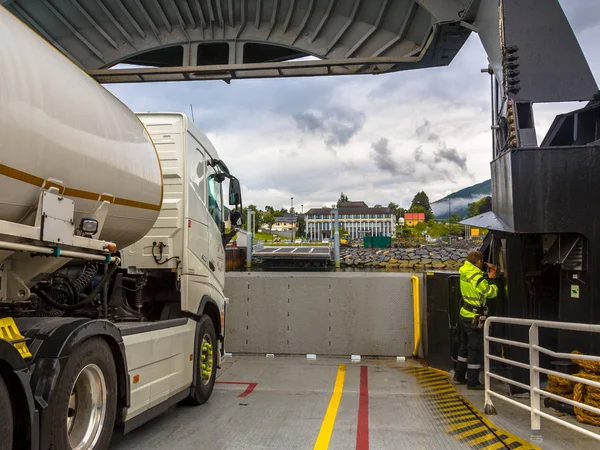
(215, 198)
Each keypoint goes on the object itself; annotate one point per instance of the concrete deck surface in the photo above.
(291, 406)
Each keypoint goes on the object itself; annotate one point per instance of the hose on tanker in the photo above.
(86, 276)
(580, 392)
(86, 301)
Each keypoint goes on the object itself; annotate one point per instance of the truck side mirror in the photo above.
(236, 219)
(235, 192)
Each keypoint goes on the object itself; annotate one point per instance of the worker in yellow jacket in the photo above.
(475, 290)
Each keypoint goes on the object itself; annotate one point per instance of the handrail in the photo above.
(417, 315)
(535, 370)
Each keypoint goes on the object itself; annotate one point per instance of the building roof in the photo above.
(289, 218)
(345, 205)
(355, 208)
(414, 216)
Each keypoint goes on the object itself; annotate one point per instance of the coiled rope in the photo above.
(580, 392)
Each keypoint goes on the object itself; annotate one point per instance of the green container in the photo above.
(381, 242)
(377, 241)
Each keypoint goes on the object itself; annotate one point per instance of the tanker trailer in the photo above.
(107, 248)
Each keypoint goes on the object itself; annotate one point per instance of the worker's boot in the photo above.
(476, 387)
(459, 378)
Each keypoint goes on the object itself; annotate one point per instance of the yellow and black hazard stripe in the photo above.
(459, 417)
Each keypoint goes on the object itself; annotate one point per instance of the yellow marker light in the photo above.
(136, 379)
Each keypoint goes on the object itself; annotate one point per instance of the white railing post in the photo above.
(534, 380)
(488, 405)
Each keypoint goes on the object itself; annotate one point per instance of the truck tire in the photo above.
(83, 405)
(6, 418)
(206, 362)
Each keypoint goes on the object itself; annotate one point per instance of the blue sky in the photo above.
(376, 138)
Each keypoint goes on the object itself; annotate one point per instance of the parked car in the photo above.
(298, 241)
(325, 241)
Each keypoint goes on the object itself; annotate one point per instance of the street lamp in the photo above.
(293, 221)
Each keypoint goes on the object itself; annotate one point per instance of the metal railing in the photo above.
(535, 393)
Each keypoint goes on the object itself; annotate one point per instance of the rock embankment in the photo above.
(430, 257)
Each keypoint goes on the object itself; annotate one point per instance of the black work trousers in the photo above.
(470, 353)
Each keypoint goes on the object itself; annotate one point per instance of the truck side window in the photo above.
(196, 168)
(215, 199)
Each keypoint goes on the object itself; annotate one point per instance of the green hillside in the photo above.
(460, 199)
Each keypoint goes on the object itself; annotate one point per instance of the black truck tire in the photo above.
(85, 398)
(6, 418)
(204, 383)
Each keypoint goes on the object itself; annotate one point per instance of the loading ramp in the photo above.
(290, 402)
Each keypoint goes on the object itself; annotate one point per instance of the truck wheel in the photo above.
(206, 362)
(6, 418)
(84, 404)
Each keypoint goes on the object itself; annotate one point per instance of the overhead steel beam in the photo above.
(258, 13)
(401, 31)
(131, 19)
(45, 34)
(347, 25)
(369, 33)
(323, 21)
(260, 70)
(231, 16)
(146, 15)
(95, 24)
(220, 14)
(115, 21)
(289, 15)
(162, 15)
(305, 19)
(274, 13)
(72, 29)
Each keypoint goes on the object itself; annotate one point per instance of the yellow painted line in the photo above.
(496, 446)
(329, 419)
(459, 426)
(468, 433)
(482, 439)
(456, 410)
(450, 405)
(435, 383)
(455, 413)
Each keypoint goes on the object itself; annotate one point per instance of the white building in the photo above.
(356, 217)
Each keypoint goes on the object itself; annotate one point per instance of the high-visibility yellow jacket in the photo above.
(474, 288)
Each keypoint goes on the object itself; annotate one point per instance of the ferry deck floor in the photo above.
(291, 402)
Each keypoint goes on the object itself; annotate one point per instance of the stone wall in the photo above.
(431, 257)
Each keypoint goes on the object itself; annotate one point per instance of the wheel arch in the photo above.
(210, 307)
(54, 352)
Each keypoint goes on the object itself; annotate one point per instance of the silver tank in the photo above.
(59, 127)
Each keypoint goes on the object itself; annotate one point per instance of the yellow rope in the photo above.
(580, 392)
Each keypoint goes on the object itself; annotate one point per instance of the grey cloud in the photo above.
(382, 156)
(337, 126)
(419, 154)
(309, 122)
(424, 131)
(455, 203)
(451, 155)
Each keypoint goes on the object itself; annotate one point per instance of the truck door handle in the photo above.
(212, 266)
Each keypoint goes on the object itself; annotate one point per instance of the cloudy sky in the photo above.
(376, 138)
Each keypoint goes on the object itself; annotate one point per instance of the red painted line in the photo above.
(248, 390)
(250, 387)
(362, 431)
